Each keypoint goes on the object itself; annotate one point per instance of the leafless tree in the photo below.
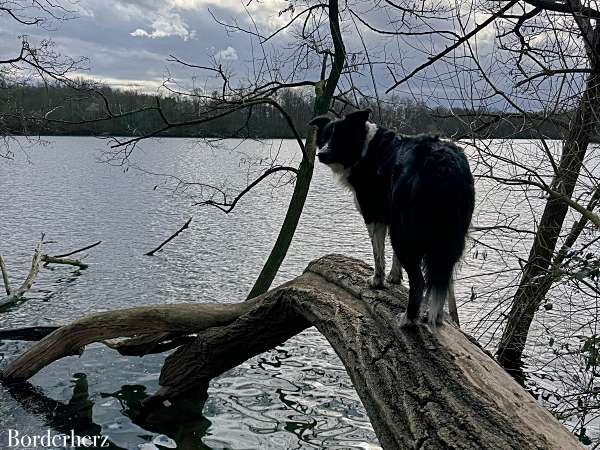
(33, 60)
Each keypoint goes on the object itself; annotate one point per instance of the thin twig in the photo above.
(78, 250)
(454, 46)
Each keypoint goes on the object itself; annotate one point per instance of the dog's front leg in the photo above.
(378, 231)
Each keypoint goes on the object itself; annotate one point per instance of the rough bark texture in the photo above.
(422, 388)
(536, 280)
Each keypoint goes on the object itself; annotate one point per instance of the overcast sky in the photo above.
(128, 41)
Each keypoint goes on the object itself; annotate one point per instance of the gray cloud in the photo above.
(227, 54)
(128, 43)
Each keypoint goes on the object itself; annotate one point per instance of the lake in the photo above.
(295, 396)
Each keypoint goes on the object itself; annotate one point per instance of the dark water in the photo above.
(295, 396)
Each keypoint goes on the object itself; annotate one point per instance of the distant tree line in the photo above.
(64, 110)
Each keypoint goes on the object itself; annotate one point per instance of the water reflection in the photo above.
(46, 293)
(176, 424)
(181, 420)
(61, 417)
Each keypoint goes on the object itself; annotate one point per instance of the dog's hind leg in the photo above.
(437, 298)
(378, 232)
(395, 275)
(415, 293)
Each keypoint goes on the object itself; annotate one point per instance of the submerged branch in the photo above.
(39, 257)
(173, 236)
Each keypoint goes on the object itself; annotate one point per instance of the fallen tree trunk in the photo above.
(68, 261)
(421, 388)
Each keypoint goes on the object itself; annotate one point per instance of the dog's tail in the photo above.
(445, 195)
(439, 268)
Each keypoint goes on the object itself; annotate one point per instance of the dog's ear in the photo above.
(319, 121)
(361, 115)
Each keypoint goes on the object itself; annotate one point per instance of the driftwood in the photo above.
(422, 388)
(13, 295)
(4, 276)
(173, 236)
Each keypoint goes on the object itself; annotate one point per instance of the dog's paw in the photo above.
(394, 278)
(405, 322)
(376, 282)
(435, 320)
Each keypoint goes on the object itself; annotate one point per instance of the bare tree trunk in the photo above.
(535, 281)
(323, 97)
(421, 389)
(290, 223)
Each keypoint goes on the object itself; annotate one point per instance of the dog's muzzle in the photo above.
(326, 157)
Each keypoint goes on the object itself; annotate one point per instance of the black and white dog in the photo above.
(419, 187)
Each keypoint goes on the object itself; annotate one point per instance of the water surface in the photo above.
(295, 396)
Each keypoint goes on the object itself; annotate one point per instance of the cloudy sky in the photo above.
(128, 42)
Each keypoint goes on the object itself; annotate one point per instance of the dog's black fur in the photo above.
(418, 187)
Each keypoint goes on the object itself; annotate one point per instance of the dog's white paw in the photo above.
(436, 318)
(376, 282)
(394, 278)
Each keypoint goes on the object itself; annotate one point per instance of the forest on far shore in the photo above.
(62, 110)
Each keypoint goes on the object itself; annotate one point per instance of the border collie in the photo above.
(420, 188)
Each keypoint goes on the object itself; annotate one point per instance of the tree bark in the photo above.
(422, 388)
(534, 284)
(290, 222)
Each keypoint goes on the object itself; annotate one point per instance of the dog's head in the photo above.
(341, 141)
